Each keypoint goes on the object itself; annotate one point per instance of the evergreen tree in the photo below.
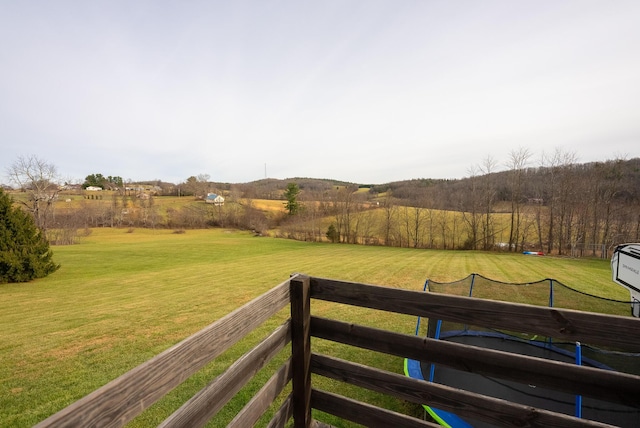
(332, 233)
(95, 180)
(24, 251)
(291, 195)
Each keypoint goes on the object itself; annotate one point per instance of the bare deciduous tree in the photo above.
(390, 211)
(40, 180)
(345, 206)
(518, 160)
(487, 168)
(471, 210)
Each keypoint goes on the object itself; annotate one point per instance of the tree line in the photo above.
(559, 206)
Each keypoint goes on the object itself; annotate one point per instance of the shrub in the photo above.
(24, 250)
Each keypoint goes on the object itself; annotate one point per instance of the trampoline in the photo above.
(546, 292)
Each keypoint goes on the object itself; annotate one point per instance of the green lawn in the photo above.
(121, 298)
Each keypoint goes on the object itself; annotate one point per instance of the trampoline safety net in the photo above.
(546, 292)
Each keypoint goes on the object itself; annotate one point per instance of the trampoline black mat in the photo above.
(530, 395)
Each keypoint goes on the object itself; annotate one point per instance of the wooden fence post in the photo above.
(301, 350)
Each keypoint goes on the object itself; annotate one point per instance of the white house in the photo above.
(212, 198)
(93, 188)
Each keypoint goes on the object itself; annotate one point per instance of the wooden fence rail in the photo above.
(205, 404)
(123, 399)
(119, 401)
(572, 326)
(620, 332)
(587, 381)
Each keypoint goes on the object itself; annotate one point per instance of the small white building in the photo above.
(93, 189)
(215, 199)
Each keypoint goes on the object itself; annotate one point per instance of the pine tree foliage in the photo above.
(24, 251)
(291, 195)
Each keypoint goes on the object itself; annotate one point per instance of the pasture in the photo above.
(121, 298)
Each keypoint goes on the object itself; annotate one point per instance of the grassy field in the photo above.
(121, 298)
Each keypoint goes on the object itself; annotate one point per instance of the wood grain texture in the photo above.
(363, 413)
(318, 424)
(122, 399)
(282, 416)
(489, 409)
(569, 325)
(603, 384)
(260, 402)
(205, 404)
(301, 350)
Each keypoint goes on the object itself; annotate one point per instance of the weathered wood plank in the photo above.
(318, 424)
(282, 416)
(492, 410)
(301, 350)
(122, 399)
(260, 402)
(363, 413)
(603, 384)
(208, 401)
(570, 325)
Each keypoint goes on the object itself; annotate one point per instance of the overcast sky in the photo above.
(358, 90)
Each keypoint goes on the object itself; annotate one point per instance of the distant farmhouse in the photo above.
(215, 199)
(93, 189)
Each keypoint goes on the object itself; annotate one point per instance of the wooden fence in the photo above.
(124, 398)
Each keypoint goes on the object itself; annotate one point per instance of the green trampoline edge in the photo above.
(429, 410)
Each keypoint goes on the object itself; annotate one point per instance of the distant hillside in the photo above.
(565, 208)
(534, 183)
(271, 188)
